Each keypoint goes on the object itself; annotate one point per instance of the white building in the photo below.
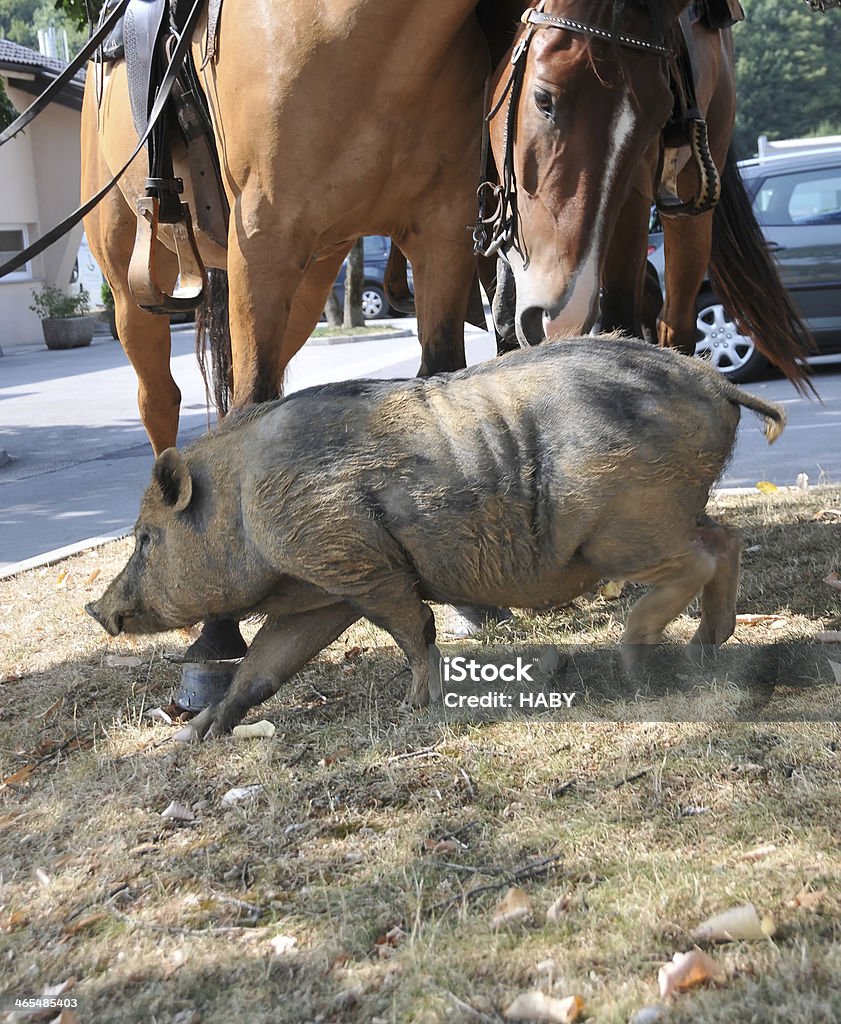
(39, 187)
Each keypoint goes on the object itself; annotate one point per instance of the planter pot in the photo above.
(68, 332)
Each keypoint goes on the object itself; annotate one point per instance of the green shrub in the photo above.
(53, 303)
(107, 295)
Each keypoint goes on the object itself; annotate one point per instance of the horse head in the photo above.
(576, 113)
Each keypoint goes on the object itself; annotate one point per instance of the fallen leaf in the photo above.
(749, 619)
(514, 906)
(43, 877)
(84, 923)
(254, 730)
(240, 793)
(686, 970)
(159, 715)
(441, 846)
(352, 653)
(809, 900)
(536, 1006)
(758, 852)
(118, 661)
(330, 759)
(19, 777)
(178, 812)
(612, 589)
(61, 582)
(91, 576)
(557, 910)
(282, 944)
(833, 580)
(766, 487)
(386, 944)
(735, 925)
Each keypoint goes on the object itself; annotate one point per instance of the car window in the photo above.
(375, 246)
(806, 197)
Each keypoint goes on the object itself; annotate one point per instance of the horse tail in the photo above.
(773, 414)
(213, 341)
(746, 281)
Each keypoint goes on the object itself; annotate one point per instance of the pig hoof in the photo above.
(201, 727)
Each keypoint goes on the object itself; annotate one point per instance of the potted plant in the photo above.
(63, 317)
(109, 315)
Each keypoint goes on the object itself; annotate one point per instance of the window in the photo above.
(809, 197)
(12, 240)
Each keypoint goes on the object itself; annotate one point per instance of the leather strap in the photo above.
(165, 89)
(56, 86)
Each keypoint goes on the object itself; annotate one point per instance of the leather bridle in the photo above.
(497, 232)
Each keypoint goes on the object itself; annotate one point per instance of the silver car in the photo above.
(797, 201)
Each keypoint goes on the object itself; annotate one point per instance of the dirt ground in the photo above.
(359, 880)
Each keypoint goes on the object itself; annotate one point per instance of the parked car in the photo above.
(797, 201)
(374, 303)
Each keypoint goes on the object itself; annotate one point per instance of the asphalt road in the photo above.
(81, 460)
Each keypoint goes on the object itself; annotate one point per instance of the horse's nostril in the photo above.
(530, 326)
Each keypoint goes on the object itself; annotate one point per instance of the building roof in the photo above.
(14, 57)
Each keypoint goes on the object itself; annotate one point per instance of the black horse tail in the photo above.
(213, 341)
(748, 285)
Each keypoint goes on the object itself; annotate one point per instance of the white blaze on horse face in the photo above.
(576, 307)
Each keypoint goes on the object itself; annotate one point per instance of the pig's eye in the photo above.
(143, 540)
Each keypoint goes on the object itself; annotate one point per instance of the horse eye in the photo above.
(544, 102)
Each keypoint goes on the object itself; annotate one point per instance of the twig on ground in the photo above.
(512, 878)
(406, 755)
(631, 778)
(471, 1011)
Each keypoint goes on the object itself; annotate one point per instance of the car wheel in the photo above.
(374, 305)
(720, 341)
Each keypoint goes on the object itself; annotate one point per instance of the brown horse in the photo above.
(578, 135)
(364, 119)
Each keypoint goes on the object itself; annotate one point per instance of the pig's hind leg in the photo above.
(675, 582)
(282, 647)
(718, 598)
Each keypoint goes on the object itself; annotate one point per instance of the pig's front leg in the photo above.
(282, 647)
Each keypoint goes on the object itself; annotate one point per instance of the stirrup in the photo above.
(669, 203)
(143, 268)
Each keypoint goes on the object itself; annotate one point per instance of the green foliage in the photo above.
(7, 108)
(53, 303)
(107, 295)
(21, 19)
(788, 74)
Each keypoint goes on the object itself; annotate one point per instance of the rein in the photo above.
(498, 230)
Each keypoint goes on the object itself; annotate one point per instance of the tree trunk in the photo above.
(353, 286)
(333, 310)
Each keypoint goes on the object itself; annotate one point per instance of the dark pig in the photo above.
(521, 481)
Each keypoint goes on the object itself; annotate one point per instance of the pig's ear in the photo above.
(172, 476)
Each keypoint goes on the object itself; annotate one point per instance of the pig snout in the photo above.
(112, 623)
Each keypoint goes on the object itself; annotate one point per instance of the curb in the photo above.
(349, 339)
(59, 554)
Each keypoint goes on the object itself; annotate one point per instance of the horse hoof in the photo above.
(204, 683)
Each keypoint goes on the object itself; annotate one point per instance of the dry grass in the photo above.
(648, 822)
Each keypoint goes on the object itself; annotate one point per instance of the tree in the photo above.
(788, 75)
(7, 109)
(354, 277)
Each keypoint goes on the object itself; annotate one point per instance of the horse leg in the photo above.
(145, 337)
(688, 241)
(443, 265)
(308, 305)
(623, 272)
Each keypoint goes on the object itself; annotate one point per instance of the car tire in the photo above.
(721, 342)
(374, 303)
